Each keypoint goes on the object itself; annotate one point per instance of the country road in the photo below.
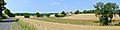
(5, 24)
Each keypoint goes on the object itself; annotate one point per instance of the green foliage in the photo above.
(0, 18)
(7, 11)
(106, 11)
(88, 11)
(104, 20)
(11, 15)
(118, 12)
(48, 15)
(63, 12)
(3, 16)
(56, 15)
(26, 15)
(117, 24)
(77, 12)
(61, 15)
(37, 14)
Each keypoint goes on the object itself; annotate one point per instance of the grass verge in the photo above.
(26, 26)
(20, 25)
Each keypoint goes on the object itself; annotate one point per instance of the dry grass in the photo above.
(25, 26)
(88, 17)
(16, 26)
(67, 21)
(42, 25)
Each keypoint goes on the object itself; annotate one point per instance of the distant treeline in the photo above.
(88, 11)
(85, 11)
(32, 14)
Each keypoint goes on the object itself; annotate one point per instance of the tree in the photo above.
(2, 4)
(63, 12)
(77, 12)
(118, 12)
(48, 15)
(7, 11)
(26, 15)
(88, 11)
(106, 11)
(37, 14)
(84, 11)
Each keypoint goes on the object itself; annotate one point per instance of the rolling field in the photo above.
(88, 17)
(63, 24)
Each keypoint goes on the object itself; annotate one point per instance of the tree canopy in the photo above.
(106, 10)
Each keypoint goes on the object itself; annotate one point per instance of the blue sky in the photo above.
(51, 6)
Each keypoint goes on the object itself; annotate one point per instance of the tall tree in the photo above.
(77, 12)
(7, 11)
(63, 12)
(106, 11)
(38, 14)
(2, 4)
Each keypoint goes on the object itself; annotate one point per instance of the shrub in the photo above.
(117, 24)
(26, 15)
(11, 15)
(61, 15)
(3, 16)
(104, 20)
(77, 12)
(7, 11)
(56, 15)
(37, 14)
(0, 18)
(41, 15)
(48, 15)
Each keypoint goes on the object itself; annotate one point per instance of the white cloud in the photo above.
(55, 3)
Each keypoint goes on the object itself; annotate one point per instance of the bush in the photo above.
(7, 11)
(0, 18)
(48, 15)
(11, 15)
(104, 20)
(3, 16)
(41, 15)
(26, 15)
(117, 24)
(38, 15)
(61, 15)
(56, 15)
(77, 12)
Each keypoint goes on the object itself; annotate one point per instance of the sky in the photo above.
(52, 6)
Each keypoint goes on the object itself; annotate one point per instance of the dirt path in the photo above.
(42, 25)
